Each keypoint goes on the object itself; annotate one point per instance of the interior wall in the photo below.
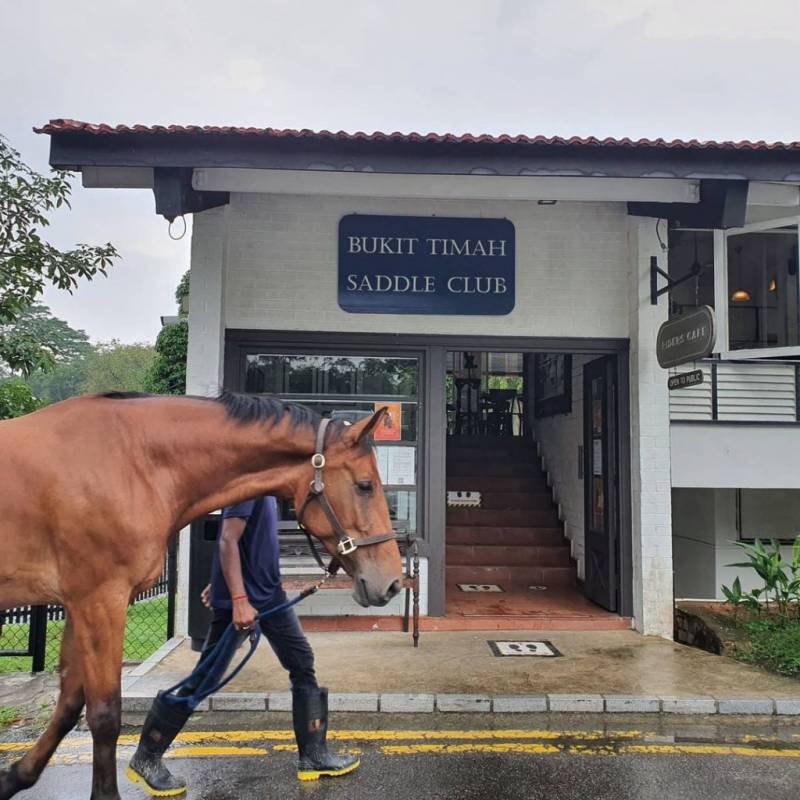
(559, 438)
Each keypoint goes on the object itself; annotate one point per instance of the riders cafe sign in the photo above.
(426, 265)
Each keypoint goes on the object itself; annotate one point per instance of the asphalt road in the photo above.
(460, 762)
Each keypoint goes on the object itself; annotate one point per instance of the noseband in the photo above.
(346, 544)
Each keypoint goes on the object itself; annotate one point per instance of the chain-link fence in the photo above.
(30, 638)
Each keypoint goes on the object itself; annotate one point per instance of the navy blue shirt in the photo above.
(259, 553)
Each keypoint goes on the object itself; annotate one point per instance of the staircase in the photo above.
(515, 538)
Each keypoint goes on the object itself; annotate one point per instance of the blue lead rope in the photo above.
(208, 676)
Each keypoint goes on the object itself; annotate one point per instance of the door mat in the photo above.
(505, 649)
(480, 587)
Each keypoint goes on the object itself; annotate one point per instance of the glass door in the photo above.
(348, 386)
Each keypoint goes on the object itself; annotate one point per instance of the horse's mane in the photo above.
(248, 409)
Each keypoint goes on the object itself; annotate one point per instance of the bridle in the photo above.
(346, 545)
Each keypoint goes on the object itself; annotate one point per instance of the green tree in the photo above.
(16, 398)
(64, 381)
(168, 372)
(28, 263)
(114, 366)
(38, 341)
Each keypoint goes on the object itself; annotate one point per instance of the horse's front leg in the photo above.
(99, 631)
(25, 772)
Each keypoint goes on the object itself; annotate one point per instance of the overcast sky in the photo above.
(703, 68)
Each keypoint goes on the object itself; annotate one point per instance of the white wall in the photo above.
(650, 444)
(735, 456)
(705, 535)
(572, 274)
(559, 438)
(693, 542)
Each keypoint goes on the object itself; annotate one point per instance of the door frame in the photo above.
(431, 399)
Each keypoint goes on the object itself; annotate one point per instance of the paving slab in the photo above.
(461, 662)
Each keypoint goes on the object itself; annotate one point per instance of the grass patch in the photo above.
(9, 715)
(771, 642)
(145, 632)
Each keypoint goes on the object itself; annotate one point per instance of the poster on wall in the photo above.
(390, 428)
(552, 374)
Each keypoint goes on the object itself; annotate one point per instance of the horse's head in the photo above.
(345, 508)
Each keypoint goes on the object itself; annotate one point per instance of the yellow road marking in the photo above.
(623, 749)
(203, 744)
(193, 737)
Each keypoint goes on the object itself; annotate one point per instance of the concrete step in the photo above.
(495, 483)
(494, 467)
(527, 517)
(519, 500)
(495, 555)
(455, 455)
(506, 535)
(540, 576)
(508, 443)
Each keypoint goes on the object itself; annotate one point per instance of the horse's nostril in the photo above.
(394, 589)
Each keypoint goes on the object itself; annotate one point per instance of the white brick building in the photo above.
(645, 511)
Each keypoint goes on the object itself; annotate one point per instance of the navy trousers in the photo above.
(285, 636)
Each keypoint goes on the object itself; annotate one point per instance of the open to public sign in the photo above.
(426, 265)
(687, 337)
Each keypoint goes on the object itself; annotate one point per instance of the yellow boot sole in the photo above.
(316, 774)
(135, 777)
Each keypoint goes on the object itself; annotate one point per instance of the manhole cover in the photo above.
(541, 649)
(480, 587)
(537, 588)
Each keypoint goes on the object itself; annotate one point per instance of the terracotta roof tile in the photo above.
(75, 126)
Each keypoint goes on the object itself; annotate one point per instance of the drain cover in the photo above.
(537, 588)
(480, 587)
(541, 649)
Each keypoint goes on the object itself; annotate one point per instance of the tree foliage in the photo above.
(16, 398)
(117, 367)
(28, 263)
(168, 373)
(38, 341)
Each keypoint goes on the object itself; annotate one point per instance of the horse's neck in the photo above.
(220, 462)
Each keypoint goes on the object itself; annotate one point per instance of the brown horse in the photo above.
(92, 490)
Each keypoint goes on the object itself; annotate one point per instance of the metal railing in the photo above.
(739, 391)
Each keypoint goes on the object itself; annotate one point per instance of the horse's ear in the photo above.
(363, 429)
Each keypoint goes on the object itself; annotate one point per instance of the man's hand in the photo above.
(205, 596)
(244, 615)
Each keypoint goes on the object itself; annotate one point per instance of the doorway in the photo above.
(528, 533)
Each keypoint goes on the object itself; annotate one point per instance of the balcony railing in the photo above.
(739, 391)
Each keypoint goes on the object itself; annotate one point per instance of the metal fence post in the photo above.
(172, 586)
(37, 641)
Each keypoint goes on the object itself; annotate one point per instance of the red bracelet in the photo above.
(239, 597)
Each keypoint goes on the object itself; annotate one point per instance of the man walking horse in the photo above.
(95, 487)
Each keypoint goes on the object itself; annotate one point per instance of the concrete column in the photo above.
(651, 512)
(206, 351)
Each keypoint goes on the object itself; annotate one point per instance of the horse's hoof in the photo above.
(11, 782)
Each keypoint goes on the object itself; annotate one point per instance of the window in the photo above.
(691, 253)
(763, 300)
(351, 387)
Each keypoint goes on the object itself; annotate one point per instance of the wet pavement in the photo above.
(467, 756)
(608, 662)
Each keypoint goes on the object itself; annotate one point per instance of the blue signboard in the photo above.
(426, 265)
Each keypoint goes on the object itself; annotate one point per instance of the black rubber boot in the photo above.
(164, 722)
(310, 716)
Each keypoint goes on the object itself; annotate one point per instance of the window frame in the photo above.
(721, 291)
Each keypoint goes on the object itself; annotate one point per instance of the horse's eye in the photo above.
(365, 486)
